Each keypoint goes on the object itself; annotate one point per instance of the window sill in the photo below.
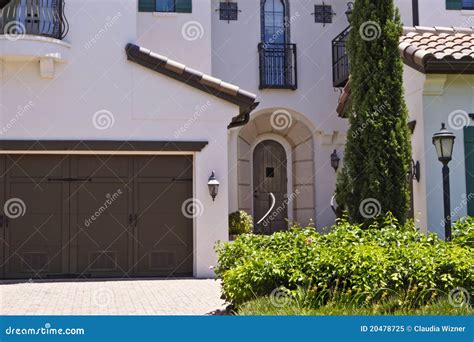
(467, 13)
(165, 14)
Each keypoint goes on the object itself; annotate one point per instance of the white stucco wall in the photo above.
(456, 95)
(143, 105)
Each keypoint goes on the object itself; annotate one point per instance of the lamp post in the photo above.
(444, 143)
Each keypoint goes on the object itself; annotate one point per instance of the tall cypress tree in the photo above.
(377, 154)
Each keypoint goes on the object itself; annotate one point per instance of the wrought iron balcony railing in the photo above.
(278, 68)
(35, 17)
(340, 59)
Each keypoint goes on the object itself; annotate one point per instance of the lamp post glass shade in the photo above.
(213, 185)
(335, 160)
(444, 143)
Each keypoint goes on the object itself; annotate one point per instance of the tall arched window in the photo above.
(273, 22)
(277, 55)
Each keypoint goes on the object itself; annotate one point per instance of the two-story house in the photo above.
(118, 118)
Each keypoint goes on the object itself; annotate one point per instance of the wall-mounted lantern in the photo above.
(213, 185)
(335, 160)
(415, 170)
(350, 7)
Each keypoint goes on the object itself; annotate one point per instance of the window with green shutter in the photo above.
(179, 6)
(469, 162)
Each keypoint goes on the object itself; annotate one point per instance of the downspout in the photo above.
(243, 118)
(416, 13)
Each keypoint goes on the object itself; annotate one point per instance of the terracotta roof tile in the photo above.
(438, 49)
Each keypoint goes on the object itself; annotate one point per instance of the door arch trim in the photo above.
(289, 167)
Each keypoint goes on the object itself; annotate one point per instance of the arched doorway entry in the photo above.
(270, 187)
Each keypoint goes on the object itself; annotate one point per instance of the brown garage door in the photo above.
(95, 216)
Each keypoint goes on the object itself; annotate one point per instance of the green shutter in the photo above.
(184, 6)
(469, 160)
(453, 4)
(146, 6)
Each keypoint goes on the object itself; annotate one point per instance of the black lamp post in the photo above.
(350, 7)
(444, 143)
(335, 160)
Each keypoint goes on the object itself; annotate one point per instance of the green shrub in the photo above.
(363, 261)
(240, 223)
(463, 232)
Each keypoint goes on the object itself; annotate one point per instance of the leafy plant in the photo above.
(351, 262)
(240, 223)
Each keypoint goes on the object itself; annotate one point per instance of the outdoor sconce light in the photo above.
(415, 170)
(350, 7)
(335, 160)
(213, 185)
(444, 143)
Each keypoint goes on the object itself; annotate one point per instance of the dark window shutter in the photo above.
(146, 5)
(469, 156)
(184, 6)
(453, 4)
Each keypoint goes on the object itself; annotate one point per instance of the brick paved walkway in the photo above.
(105, 297)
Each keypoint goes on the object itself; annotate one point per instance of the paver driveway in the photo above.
(111, 297)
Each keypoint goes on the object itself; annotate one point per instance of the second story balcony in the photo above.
(340, 59)
(278, 69)
(33, 17)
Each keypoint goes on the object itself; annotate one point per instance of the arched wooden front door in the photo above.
(270, 187)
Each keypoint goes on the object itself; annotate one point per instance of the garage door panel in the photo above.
(100, 217)
(164, 167)
(41, 167)
(34, 239)
(103, 166)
